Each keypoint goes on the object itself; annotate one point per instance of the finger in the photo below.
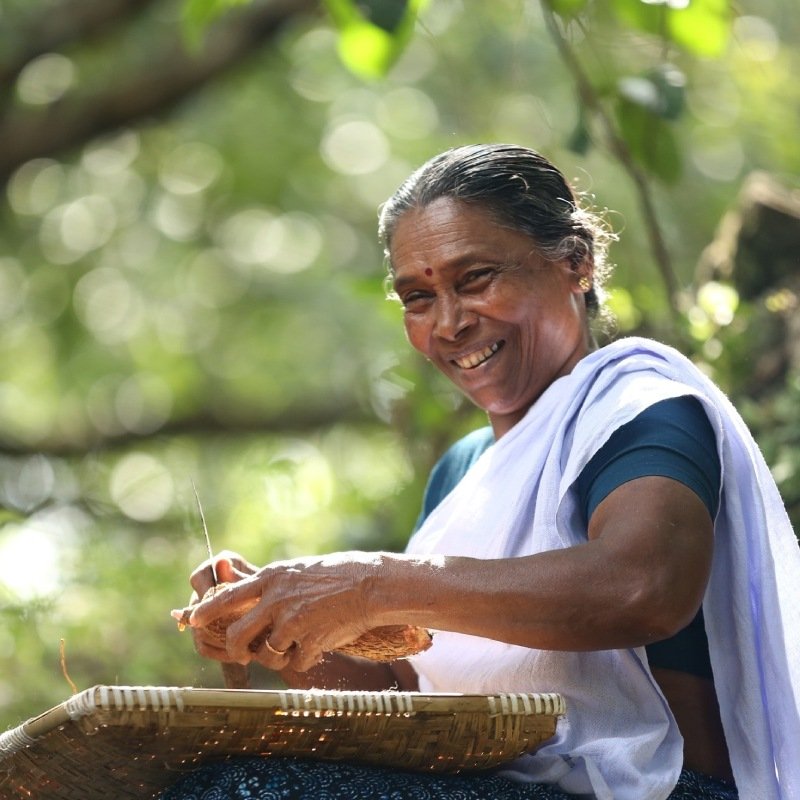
(222, 569)
(226, 572)
(230, 567)
(248, 634)
(302, 654)
(279, 640)
(209, 648)
(270, 658)
(181, 615)
(302, 658)
(234, 600)
(203, 578)
(241, 566)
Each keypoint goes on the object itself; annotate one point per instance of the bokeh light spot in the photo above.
(35, 187)
(45, 79)
(757, 38)
(142, 487)
(107, 305)
(407, 113)
(13, 287)
(190, 168)
(299, 481)
(355, 147)
(112, 154)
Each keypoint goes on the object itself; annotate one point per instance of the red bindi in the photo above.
(428, 271)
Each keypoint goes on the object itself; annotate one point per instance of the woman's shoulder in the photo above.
(474, 443)
(453, 465)
(461, 455)
(672, 438)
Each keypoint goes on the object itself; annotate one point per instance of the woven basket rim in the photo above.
(81, 747)
(155, 698)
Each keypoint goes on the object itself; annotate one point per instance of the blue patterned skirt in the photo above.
(274, 778)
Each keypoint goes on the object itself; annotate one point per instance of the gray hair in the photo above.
(522, 190)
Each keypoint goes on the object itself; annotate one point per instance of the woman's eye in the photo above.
(478, 276)
(413, 299)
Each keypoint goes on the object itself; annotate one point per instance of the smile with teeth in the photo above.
(478, 357)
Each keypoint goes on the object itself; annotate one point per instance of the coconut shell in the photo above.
(389, 642)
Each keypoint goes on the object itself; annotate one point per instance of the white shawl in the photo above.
(619, 739)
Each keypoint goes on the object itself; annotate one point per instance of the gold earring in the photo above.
(585, 283)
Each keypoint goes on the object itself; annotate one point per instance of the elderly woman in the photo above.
(614, 535)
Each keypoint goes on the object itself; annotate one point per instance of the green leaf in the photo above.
(373, 33)
(660, 91)
(579, 141)
(671, 85)
(648, 17)
(640, 91)
(650, 140)
(366, 50)
(384, 14)
(703, 27)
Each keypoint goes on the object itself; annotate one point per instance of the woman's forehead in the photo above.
(453, 233)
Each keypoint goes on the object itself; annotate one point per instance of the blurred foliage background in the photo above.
(191, 287)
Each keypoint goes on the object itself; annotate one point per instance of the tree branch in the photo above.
(619, 149)
(56, 27)
(168, 79)
(292, 421)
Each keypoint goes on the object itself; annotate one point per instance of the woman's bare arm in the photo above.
(639, 577)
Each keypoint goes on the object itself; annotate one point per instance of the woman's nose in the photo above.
(452, 318)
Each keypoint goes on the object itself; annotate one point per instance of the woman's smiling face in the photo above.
(499, 320)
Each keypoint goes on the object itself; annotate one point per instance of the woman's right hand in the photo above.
(228, 567)
(336, 672)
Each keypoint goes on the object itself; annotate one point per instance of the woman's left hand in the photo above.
(303, 608)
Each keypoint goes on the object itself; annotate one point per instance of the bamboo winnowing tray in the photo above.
(134, 741)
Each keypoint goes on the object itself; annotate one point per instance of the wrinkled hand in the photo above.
(228, 567)
(292, 611)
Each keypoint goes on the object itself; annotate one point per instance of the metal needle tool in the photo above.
(235, 676)
(205, 532)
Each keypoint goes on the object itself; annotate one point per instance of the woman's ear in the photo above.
(583, 275)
